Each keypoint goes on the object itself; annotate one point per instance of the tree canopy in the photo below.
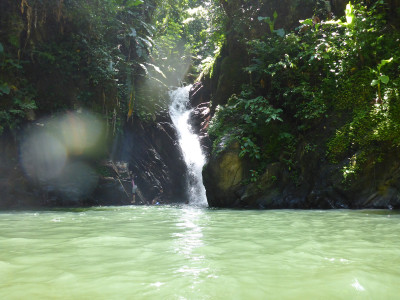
(114, 57)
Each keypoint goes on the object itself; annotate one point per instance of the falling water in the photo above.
(189, 143)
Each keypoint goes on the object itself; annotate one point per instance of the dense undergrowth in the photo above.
(330, 87)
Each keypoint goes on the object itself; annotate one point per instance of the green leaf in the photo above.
(280, 32)
(1, 48)
(306, 22)
(384, 79)
(139, 51)
(275, 15)
(134, 3)
(337, 22)
(385, 61)
(133, 32)
(149, 27)
(349, 14)
(16, 111)
(374, 82)
(4, 88)
(266, 19)
(147, 42)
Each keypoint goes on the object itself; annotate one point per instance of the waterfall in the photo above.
(190, 145)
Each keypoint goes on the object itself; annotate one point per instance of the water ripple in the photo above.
(186, 253)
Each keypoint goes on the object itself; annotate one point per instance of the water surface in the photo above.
(187, 253)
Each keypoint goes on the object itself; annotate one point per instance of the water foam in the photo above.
(190, 145)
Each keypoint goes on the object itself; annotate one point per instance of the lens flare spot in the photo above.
(79, 131)
(43, 157)
(53, 154)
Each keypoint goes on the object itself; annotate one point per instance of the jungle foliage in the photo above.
(331, 86)
(114, 57)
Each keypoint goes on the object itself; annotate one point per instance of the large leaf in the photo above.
(384, 79)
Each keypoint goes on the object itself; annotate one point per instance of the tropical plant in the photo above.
(316, 78)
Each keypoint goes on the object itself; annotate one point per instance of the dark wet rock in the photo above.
(15, 190)
(377, 187)
(150, 150)
(200, 120)
(317, 184)
(115, 186)
(222, 177)
(153, 154)
(111, 188)
(199, 94)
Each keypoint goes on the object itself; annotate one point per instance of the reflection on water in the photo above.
(189, 241)
(186, 253)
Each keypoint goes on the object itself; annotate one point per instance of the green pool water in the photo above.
(192, 253)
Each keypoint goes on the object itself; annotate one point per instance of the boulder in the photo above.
(223, 175)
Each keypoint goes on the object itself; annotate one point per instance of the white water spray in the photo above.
(189, 143)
